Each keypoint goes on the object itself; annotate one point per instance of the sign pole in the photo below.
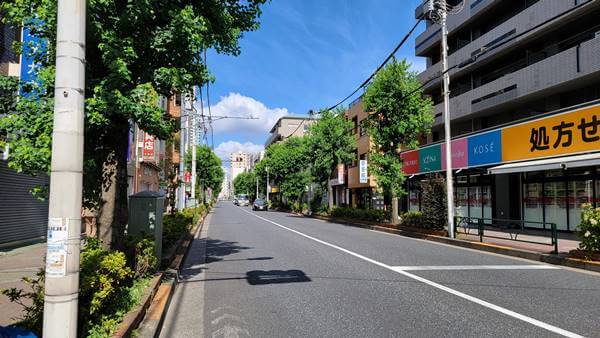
(66, 177)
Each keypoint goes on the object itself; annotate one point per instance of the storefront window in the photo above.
(486, 201)
(475, 207)
(533, 210)
(413, 200)
(580, 192)
(461, 202)
(556, 206)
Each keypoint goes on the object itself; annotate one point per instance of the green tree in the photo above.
(8, 90)
(208, 169)
(399, 116)
(245, 183)
(135, 51)
(288, 166)
(329, 143)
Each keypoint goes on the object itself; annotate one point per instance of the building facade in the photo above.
(241, 162)
(524, 115)
(288, 126)
(23, 218)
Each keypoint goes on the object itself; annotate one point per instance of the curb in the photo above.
(498, 249)
(146, 316)
(155, 316)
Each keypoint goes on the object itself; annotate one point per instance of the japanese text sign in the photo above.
(571, 132)
(148, 152)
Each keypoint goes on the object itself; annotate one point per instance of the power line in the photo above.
(387, 59)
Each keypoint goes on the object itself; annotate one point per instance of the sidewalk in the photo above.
(15, 264)
(537, 241)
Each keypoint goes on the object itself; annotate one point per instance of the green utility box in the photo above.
(146, 217)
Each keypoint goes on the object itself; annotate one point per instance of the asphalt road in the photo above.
(271, 274)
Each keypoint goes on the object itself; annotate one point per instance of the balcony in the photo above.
(527, 19)
(547, 76)
(432, 34)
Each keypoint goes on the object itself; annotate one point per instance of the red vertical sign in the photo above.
(148, 153)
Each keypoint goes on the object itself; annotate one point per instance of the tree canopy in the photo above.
(245, 183)
(400, 115)
(209, 172)
(135, 51)
(330, 142)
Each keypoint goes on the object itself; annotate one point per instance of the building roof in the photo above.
(288, 117)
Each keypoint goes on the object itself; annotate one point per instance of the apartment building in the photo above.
(524, 116)
(288, 126)
(241, 162)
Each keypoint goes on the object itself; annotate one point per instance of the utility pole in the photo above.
(256, 187)
(438, 11)
(182, 115)
(66, 177)
(194, 141)
(268, 187)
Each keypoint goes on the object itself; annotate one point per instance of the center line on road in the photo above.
(457, 293)
(475, 267)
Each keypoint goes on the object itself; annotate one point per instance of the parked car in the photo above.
(235, 201)
(260, 204)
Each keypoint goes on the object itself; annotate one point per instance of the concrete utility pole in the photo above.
(66, 178)
(256, 187)
(268, 187)
(194, 142)
(181, 197)
(438, 12)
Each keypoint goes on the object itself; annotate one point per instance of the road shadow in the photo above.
(217, 249)
(260, 277)
(217, 259)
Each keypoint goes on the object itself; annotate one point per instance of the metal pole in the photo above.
(66, 178)
(193, 122)
(447, 132)
(268, 188)
(256, 188)
(181, 198)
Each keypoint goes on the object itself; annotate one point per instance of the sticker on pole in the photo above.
(56, 247)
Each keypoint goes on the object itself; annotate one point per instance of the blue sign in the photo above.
(485, 148)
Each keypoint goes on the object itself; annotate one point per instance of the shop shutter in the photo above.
(22, 217)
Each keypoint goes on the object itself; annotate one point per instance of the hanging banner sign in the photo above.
(571, 132)
(363, 174)
(148, 152)
(56, 247)
(340, 172)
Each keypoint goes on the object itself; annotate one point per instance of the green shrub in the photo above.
(589, 229)
(434, 203)
(179, 223)
(359, 214)
(107, 291)
(141, 255)
(412, 219)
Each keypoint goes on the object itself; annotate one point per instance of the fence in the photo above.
(513, 228)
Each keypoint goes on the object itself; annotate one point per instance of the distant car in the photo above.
(243, 201)
(260, 204)
(235, 201)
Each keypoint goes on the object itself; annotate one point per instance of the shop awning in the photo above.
(548, 164)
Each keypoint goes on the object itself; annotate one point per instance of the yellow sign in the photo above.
(571, 132)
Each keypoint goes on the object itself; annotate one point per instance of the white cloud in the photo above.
(224, 149)
(238, 105)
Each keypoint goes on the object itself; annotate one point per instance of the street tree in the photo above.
(288, 164)
(209, 173)
(399, 116)
(135, 51)
(329, 143)
(245, 183)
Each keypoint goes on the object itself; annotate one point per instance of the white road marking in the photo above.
(457, 293)
(475, 267)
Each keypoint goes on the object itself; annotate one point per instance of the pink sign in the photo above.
(460, 154)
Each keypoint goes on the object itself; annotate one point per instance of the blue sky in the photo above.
(307, 54)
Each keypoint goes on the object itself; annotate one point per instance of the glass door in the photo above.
(461, 202)
(533, 209)
(486, 201)
(556, 206)
(475, 202)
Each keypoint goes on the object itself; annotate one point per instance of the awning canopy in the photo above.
(548, 164)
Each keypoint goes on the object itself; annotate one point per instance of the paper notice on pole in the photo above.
(56, 247)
